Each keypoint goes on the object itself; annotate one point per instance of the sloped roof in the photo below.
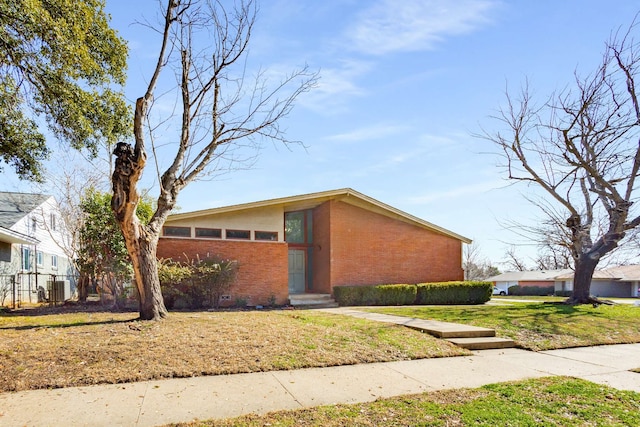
(625, 272)
(629, 273)
(529, 276)
(311, 200)
(10, 236)
(15, 206)
(597, 275)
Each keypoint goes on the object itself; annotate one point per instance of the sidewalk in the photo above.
(154, 403)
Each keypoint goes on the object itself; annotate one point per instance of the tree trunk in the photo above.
(83, 287)
(142, 245)
(141, 240)
(585, 266)
(146, 266)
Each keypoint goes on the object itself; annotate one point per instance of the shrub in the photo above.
(200, 282)
(563, 293)
(424, 293)
(531, 290)
(375, 295)
(171, 275)
(241, 302)
(448, 293)
(396, 294)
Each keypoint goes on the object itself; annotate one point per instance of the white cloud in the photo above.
(368, 133)
(336, 86)
(465, 190)
(414, 25)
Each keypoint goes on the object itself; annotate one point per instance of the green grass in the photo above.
(557, 401)
(538, 326)
(515, 298)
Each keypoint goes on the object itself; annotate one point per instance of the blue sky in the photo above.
(404, 86)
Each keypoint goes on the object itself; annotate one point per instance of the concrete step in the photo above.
(482, 343)
(449, 330)
(312, 300)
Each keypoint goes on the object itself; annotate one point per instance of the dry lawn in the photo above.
(52, 350)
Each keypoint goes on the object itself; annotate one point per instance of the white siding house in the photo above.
(33, 264)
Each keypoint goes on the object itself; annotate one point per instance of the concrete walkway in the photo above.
(466, 336)
(153, 403)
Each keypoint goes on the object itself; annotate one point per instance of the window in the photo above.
(26, 259)
(39, 259)
(238, 234)
(176, 231)
(32, 226)
(52, 220)
(298, 227)
(54, 262)
(294, 227)
(266, 235)
(5, 252)
(209, 233)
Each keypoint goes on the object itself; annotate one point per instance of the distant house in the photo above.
(540, 278)
(621, 281)
(33, 266)
(310, 243)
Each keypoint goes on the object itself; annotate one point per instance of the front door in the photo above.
(296, 271)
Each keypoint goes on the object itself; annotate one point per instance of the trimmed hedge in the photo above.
(448, 293)
(563, 293)
(421, 294)
(531, 290)
(375, 295)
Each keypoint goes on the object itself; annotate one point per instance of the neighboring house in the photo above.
(621, 281)
(32, 264)
(313, 242)
(541, 278)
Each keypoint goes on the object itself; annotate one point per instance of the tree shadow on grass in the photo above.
(67, 325)
(44, 312)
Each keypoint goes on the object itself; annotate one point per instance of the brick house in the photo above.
(307, 244)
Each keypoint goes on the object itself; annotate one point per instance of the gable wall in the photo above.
(368, 248)
(263, 266)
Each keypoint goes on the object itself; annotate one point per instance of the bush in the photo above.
(200, 282)
(171, 275)
(563, 293)
(424, 293)
(531, 290)
(375, 295)
(449, 293)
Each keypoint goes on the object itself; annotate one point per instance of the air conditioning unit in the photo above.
(58, 291)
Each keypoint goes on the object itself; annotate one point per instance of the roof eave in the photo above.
(14, 237)
(343, 193)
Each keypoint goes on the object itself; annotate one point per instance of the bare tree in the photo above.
(475, 266)
(68, 181)
(554, 251)
(220, 108)
(513, 260)
(582, 148)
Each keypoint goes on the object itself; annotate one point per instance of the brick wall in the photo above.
(368, 248)
(321, 277)
(541, 283)
(263, 265)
